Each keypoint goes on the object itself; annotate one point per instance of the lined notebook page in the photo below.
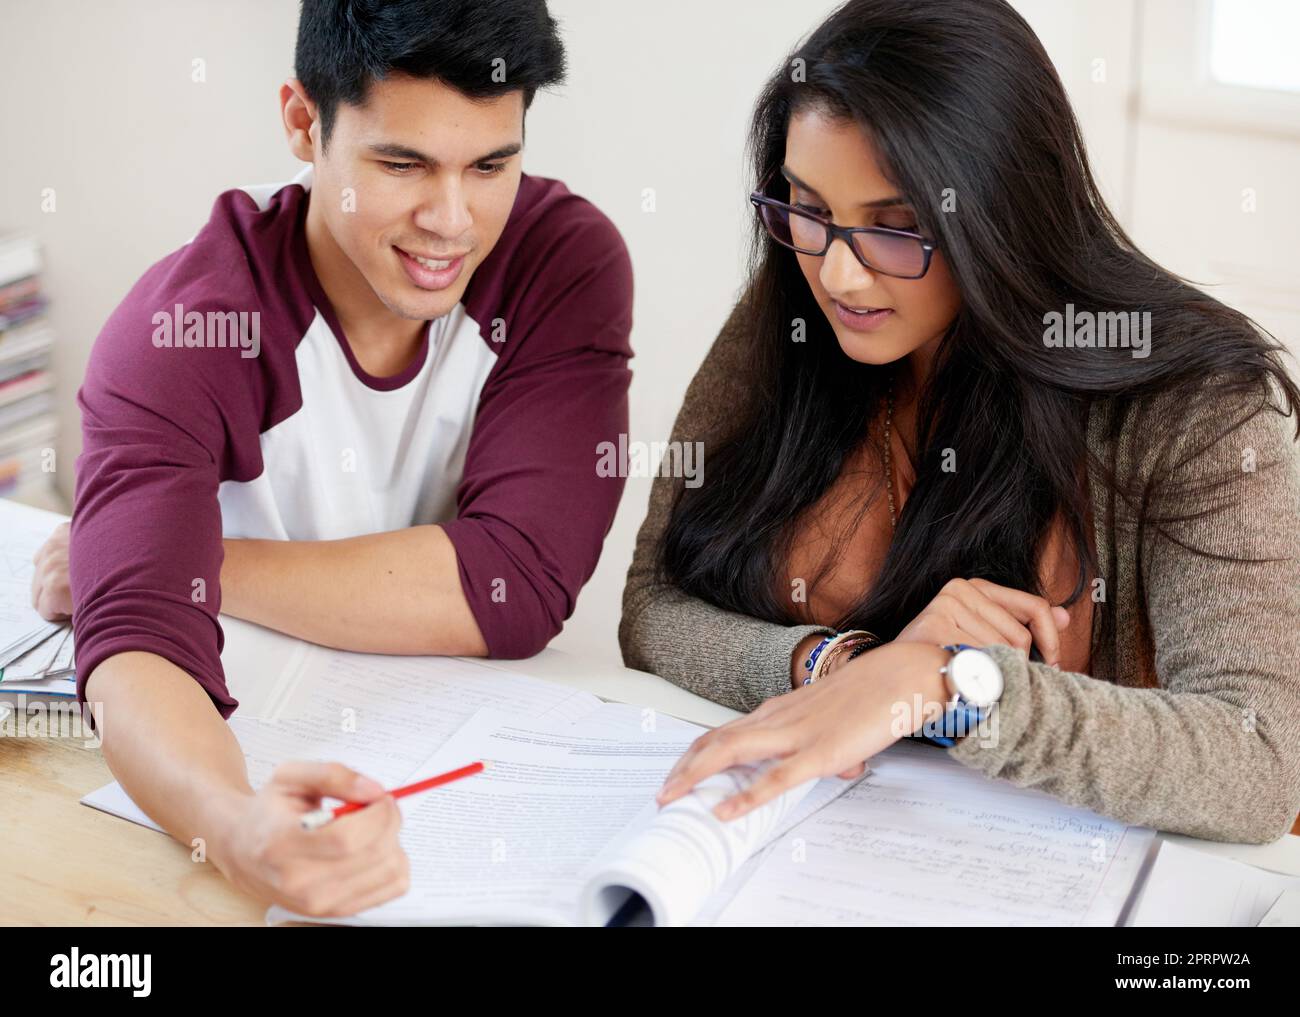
(924, 840)
(382, 716)
(511, 844)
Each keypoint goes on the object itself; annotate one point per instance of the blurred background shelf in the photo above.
(29, 428)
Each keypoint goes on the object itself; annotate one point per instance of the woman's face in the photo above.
(833, 169)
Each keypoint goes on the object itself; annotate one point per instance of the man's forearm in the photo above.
(167, 745)
(395, 592)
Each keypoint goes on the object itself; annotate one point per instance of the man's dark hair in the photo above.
(344, 45)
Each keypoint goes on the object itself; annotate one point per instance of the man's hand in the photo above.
(345, 867)
(51, 594)
(181, 764)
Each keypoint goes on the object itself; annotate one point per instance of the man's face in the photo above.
(421, 173)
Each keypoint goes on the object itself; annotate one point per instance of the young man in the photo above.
(383, 384)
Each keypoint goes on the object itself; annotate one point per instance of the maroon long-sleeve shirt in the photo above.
(202, 420)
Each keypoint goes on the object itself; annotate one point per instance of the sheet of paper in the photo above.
(510, 845)
(822, 794)
(25, 530)
(33, 639)
(1189, 887)
(382, 716)
(679, 858)
(1285, 914)
(64, 662)
(33, 664)
(923, 840)
(113, 799)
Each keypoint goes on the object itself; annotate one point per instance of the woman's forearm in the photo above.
(1202, 763)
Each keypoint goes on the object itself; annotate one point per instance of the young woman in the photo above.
(907, 455)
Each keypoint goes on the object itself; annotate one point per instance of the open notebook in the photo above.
(563, 827)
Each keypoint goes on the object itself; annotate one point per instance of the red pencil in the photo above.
(317, 819)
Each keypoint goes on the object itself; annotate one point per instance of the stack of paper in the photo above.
(1188, 887)
(36, 656)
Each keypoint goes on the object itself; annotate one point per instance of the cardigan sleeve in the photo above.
(1214, 750)
(726, 657)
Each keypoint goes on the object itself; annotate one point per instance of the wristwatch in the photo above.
(974, 683)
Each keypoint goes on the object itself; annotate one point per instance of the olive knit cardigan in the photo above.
(1213, 750)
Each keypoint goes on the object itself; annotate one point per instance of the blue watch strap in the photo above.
(958, 721)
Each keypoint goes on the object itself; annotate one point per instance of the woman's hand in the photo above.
(829, 727)
(981, 613)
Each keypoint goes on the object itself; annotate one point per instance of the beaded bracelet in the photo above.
(844, 652)
(811, 662)
(831, 648)
(858, 651)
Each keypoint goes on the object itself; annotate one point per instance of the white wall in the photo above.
(97, 101)
(1215, 170)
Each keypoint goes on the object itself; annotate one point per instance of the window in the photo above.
(1252, 44)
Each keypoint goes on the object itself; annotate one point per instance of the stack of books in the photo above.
(27, 421)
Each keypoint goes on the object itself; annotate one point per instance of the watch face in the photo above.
(976, 676)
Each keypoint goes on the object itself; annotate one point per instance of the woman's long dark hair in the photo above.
(961, 101)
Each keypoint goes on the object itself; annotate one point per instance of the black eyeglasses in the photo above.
(897, 253)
